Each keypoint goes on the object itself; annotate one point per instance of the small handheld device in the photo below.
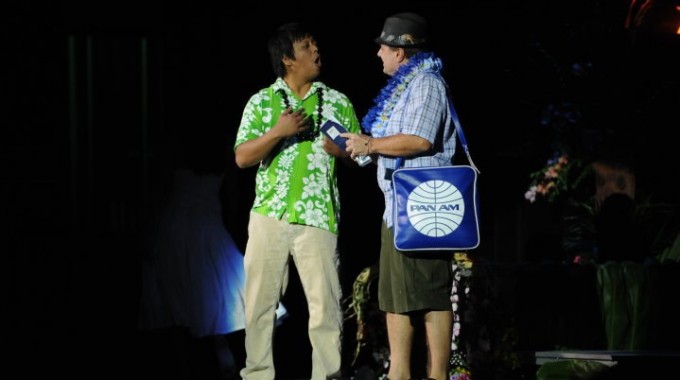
(333, 131)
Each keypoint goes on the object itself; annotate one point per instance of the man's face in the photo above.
(307, 58)
(390, 59)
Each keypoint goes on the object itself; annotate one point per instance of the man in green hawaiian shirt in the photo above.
(296, 209)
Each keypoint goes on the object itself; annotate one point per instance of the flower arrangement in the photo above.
(462, 280)
(563, 171)
(561, 174)
(461, 373)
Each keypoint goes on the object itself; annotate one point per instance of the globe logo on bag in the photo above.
(435, 208)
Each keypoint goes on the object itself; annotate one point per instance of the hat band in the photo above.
(403, 39)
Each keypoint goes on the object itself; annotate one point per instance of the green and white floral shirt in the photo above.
(298, 180)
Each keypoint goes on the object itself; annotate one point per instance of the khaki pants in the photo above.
(313, 250)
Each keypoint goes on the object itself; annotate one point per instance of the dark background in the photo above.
(95, 93)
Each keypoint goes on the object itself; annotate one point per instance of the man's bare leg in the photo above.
(400, 336)
(438, 331)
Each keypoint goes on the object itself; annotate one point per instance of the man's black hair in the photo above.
(281, 44)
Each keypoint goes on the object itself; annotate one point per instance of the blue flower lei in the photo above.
(375, 121)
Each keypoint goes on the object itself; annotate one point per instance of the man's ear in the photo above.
(287, 61)
(401, 55)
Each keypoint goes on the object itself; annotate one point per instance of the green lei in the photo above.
(375, 121)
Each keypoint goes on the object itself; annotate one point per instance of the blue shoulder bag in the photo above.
(437, 207)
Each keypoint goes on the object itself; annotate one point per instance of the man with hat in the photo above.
(410, 119)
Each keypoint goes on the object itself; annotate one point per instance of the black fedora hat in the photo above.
(404, 30)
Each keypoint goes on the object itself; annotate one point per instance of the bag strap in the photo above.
(459, 133)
